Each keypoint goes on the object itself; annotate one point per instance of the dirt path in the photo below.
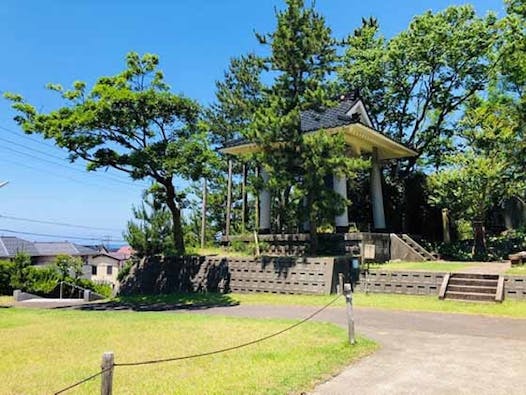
(422, 353)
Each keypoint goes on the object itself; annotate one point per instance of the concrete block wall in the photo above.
(515, 287)
(402, 282)
(287, 275)
(282, 275)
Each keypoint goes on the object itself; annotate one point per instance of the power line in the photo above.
(55, 223)
(28, 138)
(12, 150)
(47, 172)
(109, 238)
(55, 156)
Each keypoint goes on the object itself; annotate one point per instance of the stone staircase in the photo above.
(405, 248)
(426, 255)
(473, 287)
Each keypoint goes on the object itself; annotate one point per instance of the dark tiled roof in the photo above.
(10, 246)
(329, 118)
(62, 247)
(325, 119)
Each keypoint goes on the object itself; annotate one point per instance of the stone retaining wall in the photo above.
(288, 275)
(329, 244)
(402, 282)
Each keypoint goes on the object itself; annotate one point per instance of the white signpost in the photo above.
(369, 253)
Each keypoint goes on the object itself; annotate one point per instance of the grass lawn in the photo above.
(509, 308)
(45, 350)
(208, 251)
(517, 270)
(436, 266)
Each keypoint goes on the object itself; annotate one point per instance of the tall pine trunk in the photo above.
(176, 219)
(479, 239)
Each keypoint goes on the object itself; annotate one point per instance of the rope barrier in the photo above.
(220, 351)
(223, 350)
(83, 381)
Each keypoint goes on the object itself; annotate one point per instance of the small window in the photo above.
(93, 270)
(109, 270)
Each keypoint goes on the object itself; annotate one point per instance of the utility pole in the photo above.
(228, 200)
(203, 215)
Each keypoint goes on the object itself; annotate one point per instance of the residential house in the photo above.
(99, 264)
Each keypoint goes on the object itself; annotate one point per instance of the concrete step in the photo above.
(477, 276)
(470, 296)
(472, 282)
(472, 289)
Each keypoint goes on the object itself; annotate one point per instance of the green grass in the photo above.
(517, 270)
(509, 308)
(46, 350)
(228, 252)
(424, 266)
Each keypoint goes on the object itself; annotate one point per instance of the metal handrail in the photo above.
(79, 288)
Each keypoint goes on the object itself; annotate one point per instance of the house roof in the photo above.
(51, 248)
(11, 245)
(113, 255)
(125, 251)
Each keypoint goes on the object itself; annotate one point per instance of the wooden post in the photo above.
(256, 241)
(350, 321)
(203, 214)
(256, 204)
(228, 199)
(340, 283)
(106, 382)
(445, 225)
(244, 199)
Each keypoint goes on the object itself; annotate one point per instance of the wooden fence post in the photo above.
(106, 382)
(350, 321)
(340, 283)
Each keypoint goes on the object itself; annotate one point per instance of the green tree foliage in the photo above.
(20, 270)
(68, 267)
(238, 95)
(6, 269)
(487, 168)
(130, 122)
(302, 56)
(151, 231)
(417, 82)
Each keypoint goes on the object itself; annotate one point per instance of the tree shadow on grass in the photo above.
(171, 302)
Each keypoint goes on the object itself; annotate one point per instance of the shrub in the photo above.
(498, 247)
(20, 271)
(41, 280)
(102, 289)
(6, 269)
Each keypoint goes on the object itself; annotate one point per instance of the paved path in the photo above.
(422, 353)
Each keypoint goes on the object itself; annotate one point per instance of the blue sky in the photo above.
(64, 41)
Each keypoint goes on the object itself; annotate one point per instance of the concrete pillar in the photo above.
(264, 205)
(340, 187)
(376, 193)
